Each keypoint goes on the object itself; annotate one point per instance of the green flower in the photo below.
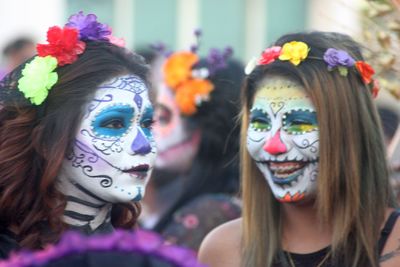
(38, 78)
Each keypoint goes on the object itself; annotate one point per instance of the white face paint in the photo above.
(114, 151)
(176, 145)
(283, 139)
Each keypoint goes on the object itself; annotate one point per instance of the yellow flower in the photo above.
(38, 78)
(295, 52)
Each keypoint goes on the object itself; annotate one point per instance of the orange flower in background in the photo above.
(178, 68)
(365, 70)
(189, 92)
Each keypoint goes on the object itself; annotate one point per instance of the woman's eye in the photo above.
(301, 122)
(260, 124)
(163, 115)
(147, 123)
(113, 124)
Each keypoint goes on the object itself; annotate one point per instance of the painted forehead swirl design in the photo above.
(129, 83)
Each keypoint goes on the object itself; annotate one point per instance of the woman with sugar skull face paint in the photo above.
(76, 147)
(314, 178)
(196, 171)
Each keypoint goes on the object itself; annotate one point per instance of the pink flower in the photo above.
(116, 41)
(269, 55)
(190, 221)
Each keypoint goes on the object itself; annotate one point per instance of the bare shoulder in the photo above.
(221, 247)
(391, 252)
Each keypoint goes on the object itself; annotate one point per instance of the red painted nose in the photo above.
(275, 145)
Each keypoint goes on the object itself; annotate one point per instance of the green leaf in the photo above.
(343, 70)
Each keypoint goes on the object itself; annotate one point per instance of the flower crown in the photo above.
(296, 52)
(189, 82)
(140, 242)
(64, 46)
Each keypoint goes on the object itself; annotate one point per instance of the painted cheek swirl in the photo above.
(84, 158)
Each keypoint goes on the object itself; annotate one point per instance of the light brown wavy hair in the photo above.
(35, 139)
(353, 188)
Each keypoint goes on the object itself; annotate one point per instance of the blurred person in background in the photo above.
(18, 51)
(195, 180)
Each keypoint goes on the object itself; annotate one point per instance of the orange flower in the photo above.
(190, 91)
(365, 70)
(178, 68)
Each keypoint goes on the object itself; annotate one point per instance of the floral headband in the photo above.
(296, 52)
(64, 46)
(188, 82)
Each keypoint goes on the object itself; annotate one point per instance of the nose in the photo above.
(140, 144)
(274, 145)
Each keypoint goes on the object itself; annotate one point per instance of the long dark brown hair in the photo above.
(353, 187)
(35, 139)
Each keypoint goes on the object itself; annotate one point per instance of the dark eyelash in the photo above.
(106, 122)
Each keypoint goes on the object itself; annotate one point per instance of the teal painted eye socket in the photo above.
(260, 121)
(300, 121)
(113, 121)
(147, 121)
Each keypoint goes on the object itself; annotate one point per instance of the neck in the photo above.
(303, 232)
(84, 211)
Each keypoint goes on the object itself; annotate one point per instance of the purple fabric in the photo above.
(140, 145)
(337, 58)
(141, 242)
(89, 28)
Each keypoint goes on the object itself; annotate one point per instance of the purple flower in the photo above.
(228, 52)
(89, 28)
(216, 59)
(197, 32)
(194, 48)
(337, 58)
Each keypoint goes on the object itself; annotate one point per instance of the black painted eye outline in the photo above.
(303, 121)
(260, 121)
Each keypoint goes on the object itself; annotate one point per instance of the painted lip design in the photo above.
(287, 172)
(139, 171)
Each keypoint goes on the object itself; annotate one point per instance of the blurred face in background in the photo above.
(177, 143)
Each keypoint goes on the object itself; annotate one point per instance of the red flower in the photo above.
(64, 44)
(269, 55)
(365, 70)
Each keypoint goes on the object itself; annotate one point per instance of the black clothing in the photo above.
(315, 258)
